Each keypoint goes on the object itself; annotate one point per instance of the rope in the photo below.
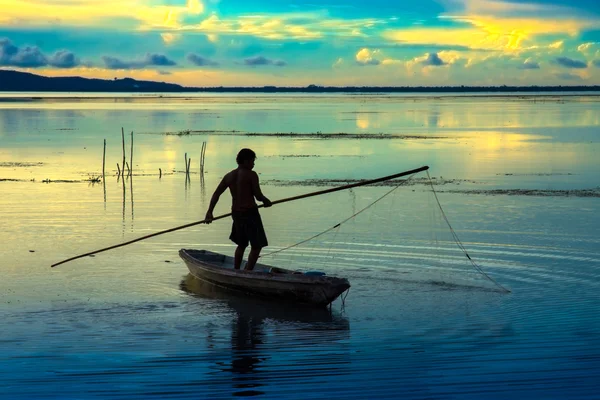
(343, 298)
(339, 223)
(457, 240)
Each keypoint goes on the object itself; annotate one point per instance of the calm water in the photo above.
(517, 178)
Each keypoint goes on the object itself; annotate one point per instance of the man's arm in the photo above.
(215, 199)
(257, 192)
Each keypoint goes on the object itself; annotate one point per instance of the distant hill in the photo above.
(25, 82)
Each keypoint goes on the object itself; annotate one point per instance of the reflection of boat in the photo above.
(257, 308)
(264, 280)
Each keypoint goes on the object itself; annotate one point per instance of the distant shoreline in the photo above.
(449, 91)
(5, 96)
(16, 81)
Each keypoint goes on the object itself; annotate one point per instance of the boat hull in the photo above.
(264, 280)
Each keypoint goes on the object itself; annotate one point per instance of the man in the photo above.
(247, 225)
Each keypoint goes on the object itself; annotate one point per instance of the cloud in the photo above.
(529, 64)
(588, 48)
(570, 63)
(133, 14)
(422, 46)
(200, 61)
(195, 6)
(429, 60)
(149, 60)
(26, 57)
(33, 57)
(433, 60)
(557, 45)
(160, 60)
(63, 59)
(568, 77)
(367, 57)
(306, 26)
(170, 38)
(260, 61)
(498, 25)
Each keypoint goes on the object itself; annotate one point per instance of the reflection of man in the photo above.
(246, 335)
(247, 224)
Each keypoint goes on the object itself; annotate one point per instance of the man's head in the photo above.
(245, 158)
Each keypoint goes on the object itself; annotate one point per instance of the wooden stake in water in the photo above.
(202, 157)
(118, 170)
(302, 196)
(159, 173)
(103, 160)
(131, 156)
(186, 163)
(123, 137)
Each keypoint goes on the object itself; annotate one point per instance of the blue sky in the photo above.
(296, 43)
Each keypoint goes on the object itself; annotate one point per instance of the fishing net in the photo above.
(397, 226)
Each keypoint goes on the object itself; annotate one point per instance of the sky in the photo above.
(303, 42)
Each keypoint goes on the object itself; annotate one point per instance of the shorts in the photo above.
(247, 227)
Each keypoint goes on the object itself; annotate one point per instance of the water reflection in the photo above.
(255, 344)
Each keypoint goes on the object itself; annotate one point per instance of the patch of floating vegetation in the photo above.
(20, 164)
(362, 112)
(189, 132)
(312, 156)
(298, 135)
(342, 135)
(91, 180)
(533, 192)
(538, 174)
(340, 182)
(61, 181)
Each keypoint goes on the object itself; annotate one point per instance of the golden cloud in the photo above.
(300, 26)
(497, 26)
(587, 48)
(96, 13)
(367, 57)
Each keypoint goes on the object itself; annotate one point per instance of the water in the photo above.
(132, 322)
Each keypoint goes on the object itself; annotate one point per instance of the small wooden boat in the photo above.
(264, 280)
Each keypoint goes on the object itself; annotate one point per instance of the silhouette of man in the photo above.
(247, 225)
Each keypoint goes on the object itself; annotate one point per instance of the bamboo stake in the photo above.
(201, 150)
(159, 173)
(188, 167)
(202, 157)
(118, 170)
(185, 160)
(131, 156)
(204, 221)
(103, 160)
(123, 137)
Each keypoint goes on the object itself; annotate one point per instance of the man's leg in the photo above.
(253, 257)
(239, 256)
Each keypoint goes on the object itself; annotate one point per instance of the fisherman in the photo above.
(247, 225)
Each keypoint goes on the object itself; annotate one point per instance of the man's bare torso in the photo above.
(241, 183)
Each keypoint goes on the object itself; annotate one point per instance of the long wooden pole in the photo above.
(302, 196)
